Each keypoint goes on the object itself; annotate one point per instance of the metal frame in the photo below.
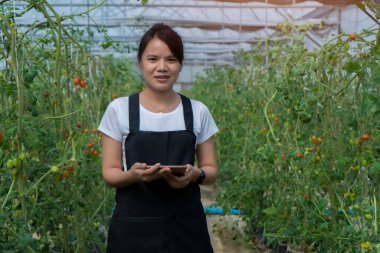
(211, 30)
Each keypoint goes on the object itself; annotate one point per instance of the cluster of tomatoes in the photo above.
(66, 172)
(316, 140)
(352, 37)
(78, 81)
(91, 150)
(276, 119)
(365, 137)
(13, 165)
(299, 155)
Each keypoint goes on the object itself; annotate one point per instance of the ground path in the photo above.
(223, 238)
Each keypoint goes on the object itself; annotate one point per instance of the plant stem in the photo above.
(9, 192)
(91, 9)
(266, 117)
(37, 183)
(375, 213)
(19, 84)
(55, 117)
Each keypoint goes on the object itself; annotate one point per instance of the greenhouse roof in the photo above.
(211, 30)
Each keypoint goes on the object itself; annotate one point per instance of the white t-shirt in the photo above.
(115, 121)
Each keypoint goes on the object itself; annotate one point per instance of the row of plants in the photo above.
(52, 96)
(299, 140)
(298, 147)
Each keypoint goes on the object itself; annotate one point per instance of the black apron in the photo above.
(154, 217)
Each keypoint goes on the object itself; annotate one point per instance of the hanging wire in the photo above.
(88, 24)
(15, 37)
(266, 24)
(240, 26)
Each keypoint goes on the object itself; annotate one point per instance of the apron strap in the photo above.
(134, 113)
(187, 113)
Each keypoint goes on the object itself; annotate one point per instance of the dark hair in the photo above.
(167, 35)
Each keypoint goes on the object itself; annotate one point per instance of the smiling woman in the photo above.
(157, 210)
(160, 69)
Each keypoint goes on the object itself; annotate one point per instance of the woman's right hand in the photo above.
(141, 173)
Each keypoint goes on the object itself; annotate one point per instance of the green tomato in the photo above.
(9, 164)
(368, 217)
(54, 169)
(22, 156)
(15, 163)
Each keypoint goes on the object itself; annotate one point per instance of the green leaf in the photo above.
(270, 211)
(322, 204)
(352, 67)
(145, 2)
(349, 229)
(376, 75)
(343, 161)
(107, 45)
(374, 169)
(360, 5)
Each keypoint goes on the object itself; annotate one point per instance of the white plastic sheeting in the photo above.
(212, 30)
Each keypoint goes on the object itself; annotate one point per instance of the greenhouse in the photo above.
(292, 163)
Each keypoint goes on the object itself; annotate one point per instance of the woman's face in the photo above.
(159, 67)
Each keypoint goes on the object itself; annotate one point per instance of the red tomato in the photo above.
(94, 131)
(79, 125)
(352, 37)
(71, 167)
(363, 55)
(276, 120)
(66, 174)
(90, 145)
(365, 137)
(77, 81)
(299, 155)
(67, 135)
(82, 84)
(46, 94)
(1, 137)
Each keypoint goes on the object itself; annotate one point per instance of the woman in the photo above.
(156, 210)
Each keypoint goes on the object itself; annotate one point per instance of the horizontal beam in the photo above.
(207, 25)
(184, 5)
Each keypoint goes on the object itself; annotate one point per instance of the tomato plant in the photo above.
(317, 197)
(50, 199)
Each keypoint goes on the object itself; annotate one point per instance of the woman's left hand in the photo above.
(178, 182)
